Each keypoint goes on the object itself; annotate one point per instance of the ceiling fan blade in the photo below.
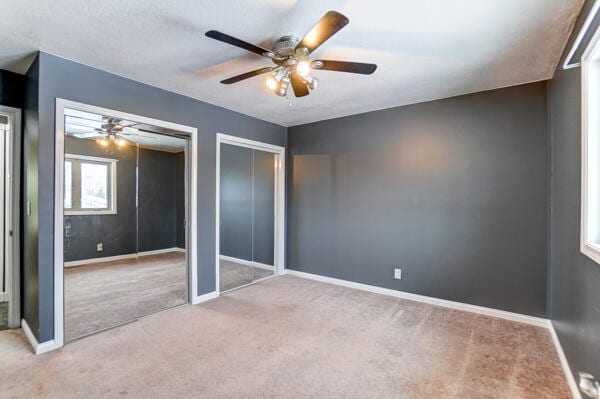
(344, 66)
(327, 26)
(220, 36)
(247, 75)
(299, 85)
(86, 135)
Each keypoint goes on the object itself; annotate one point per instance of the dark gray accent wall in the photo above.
(453, 191)
(60, 78)
(12, 89)
(247, 204)
(158, 200)
(574, 278)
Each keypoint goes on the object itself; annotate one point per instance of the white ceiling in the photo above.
(425, 50)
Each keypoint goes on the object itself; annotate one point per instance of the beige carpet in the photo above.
(288, 337)
(233, 274)
(106, 294)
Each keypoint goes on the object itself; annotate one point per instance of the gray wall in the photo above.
(247, 204)
(161, 192)
(60, 78)
(574, 278)
(452, 191)
(29, 235)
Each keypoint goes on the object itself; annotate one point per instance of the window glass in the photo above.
(94, 186)
(89, 185)
(68, 184)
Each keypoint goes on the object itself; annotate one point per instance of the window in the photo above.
(590, 150)
(90, 185)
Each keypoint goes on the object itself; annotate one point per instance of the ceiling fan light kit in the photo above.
(292, 58)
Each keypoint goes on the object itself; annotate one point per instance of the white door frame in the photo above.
(279, 244)
(12, 215)
(61, 104)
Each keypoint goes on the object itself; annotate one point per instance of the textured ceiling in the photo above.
(425, 50)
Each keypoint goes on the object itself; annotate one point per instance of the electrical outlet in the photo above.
(99, 247)
(398, 274)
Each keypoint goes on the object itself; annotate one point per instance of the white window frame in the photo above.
(112, 210)
(590, 141)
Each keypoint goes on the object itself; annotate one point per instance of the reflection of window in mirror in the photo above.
(90, 185)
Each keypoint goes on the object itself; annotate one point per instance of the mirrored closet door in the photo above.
(125, 204)
(247, 216)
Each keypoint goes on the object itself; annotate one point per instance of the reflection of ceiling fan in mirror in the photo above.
(292, 58)
(108, 132)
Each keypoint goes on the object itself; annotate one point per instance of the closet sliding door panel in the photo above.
(263, 213)
(161, 261)
(236, 192)
(99, 222)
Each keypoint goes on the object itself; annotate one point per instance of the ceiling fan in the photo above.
(291, 57)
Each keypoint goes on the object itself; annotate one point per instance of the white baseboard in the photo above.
(564, 363)
(247, 262)
(121, 257)
(205, 297)
(521, 318)
(38, 348)
(3, 296)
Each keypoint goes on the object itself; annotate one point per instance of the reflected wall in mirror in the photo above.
(125, 206)
(247, 209)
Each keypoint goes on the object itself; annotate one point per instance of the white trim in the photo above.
(590, 132)
(564, 363)
(4, 297)
(38, 348)
(502, 314)
(12, 258)
(279, 211)
(247, 262)
(192, 226)
(205, 297)
(582, 32)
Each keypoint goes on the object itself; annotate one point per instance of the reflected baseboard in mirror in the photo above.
(102, 295)
(236, 273)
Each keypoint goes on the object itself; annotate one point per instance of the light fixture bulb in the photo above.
(303, 68)
(103, 142)
(283, 86)
(271, 83)
(121, 142)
